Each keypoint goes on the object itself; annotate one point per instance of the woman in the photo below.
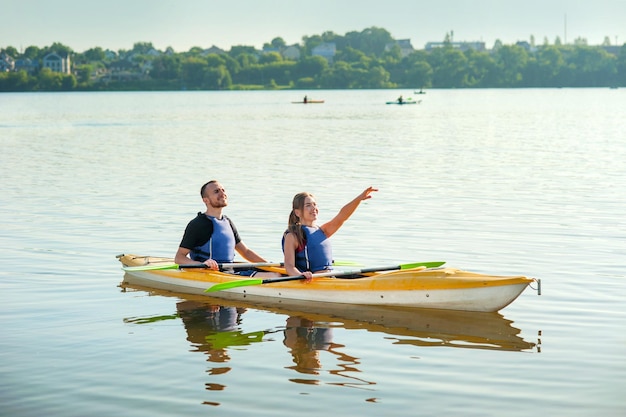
(306, 246)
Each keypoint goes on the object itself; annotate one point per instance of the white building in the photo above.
(57, 63)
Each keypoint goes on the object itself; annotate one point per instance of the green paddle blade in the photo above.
(223, 340)
(346, 263)
(426, 264)
(149, 267)
(234, 284)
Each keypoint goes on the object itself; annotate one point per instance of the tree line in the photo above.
(363, 60)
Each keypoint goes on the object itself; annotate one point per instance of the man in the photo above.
(211, 237)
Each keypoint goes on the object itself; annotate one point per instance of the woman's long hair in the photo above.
(294, 225)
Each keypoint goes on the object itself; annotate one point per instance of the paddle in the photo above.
(235, 265)
(248, 282)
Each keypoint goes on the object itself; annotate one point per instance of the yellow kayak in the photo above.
(440, 288)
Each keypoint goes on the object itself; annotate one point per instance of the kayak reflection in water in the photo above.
(305, 340)
(214, 328)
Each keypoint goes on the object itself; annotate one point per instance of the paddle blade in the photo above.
(234, 284)
(346, 263)
(418, 264)
(150, 267)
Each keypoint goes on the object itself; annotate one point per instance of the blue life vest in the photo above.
(220, 246)
(317, 254)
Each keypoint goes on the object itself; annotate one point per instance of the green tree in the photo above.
(310, 42)
(16, 81)
(235, 51)
(376, 77)
(510, 62)
(594, 67)
(392, 56)
(49, 80)
(411, 71)
(194, 51)
(232, 65)
(419, 74)
(352, 55)
(338, 76)
(57, 48)
(83, 73)
(11, 51)
(166, 67)
(311, 66)
(217, 78)
(270, 58)
(142, 48)
(94, 54)
(481, 69)
(545, 68)
(32, 52)
(449, 67)
(370, 41)
(68, 82)
(278, 43)
(621, 67)
(193, 70)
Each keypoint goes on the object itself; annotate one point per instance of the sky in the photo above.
(183, 24)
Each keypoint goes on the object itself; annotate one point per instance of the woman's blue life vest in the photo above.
(317, 253)
(221, 245)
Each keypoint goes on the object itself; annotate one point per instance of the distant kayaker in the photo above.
(306, 246)
(212, 238)
(400, 100)
(306, 99)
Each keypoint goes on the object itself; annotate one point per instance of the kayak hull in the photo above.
(444, 288)
(403, 103)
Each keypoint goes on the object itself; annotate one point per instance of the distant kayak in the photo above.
(402, 102)
(308, 102)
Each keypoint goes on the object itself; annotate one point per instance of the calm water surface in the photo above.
(528, 182)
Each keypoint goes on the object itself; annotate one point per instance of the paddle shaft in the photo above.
(222, 266)
(338, 274)
(333, 274)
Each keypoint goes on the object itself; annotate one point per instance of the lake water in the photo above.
(528, 182)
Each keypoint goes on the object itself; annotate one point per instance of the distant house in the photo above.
(268, 49)
(463, 46)
(612, 49)
(213, 50)
(405, 47)
(122, 70)
(292, 52)
(527, 46)
(325, 50)
(26, 64)
(6, 63)
(57, 63)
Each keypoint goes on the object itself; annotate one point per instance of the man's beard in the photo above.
(218, 203)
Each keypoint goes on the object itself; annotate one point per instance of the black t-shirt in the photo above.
(199, 231)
